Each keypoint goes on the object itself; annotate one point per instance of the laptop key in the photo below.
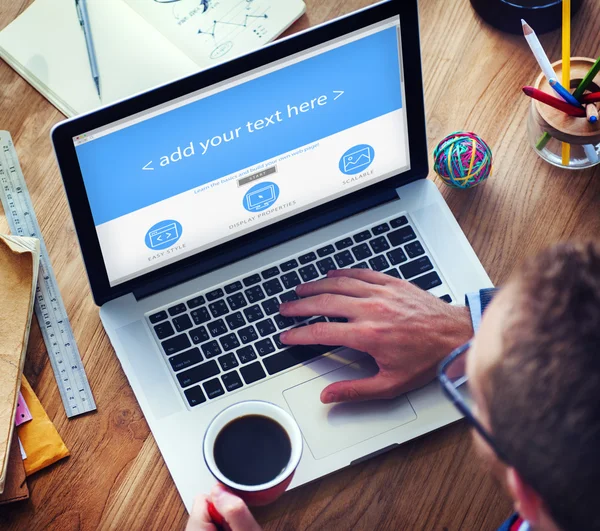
(198, 374)
(307, 258)
(176, 344)
(379, 263)
(289, 265)
(253, 372)
(229, 342)
(362, 251)
(290, 280)
(248, 334)
(232, 288)
(397, 256)
(270, 273)
(218, 308)
(213, 388)
(235, 320)
(200, 316)
(199, 335)
(324, 251)
(211, 349)
(360, 265)
(266, 327)
(182, 323)
(283, 322)
(428, 281)
(265, 346)
(214, 294)
(217, 328)
(294, 356)
(271, 306)
(157, 317)
(344, 244)
(163, 330)
(195, 302)
(177, 309)
(380, 229)
(246, 354)
(277, 340)
(344, 259)
(400, 236)
(251, 280)
(228, 361)
(446, 298)
(326, 265)
(308, 273)
(255, 294)
(393, 273)
(185, 359)
(236, 301)
(398, 222)
(273, 287)
(232, 381)
(254, 313)
(416, 267)
(289, 296)
(414, 249)
(379, 245)
(195, 396)
(362, 236)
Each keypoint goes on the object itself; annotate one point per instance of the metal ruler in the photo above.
(49, 307)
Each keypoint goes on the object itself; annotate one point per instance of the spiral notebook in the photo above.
(139, 43)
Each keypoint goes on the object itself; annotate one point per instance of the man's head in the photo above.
(534, 371)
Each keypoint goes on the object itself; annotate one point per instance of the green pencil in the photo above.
(589, 77)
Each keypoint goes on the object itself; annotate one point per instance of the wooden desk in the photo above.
(116, 477)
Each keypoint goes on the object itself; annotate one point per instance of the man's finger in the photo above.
(375, 387)
(341, 285)
(332, 334)
(233, 510)
(324, 304)
(366, 275)
(199, 518)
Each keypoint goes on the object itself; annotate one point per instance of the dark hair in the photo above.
(544, 396)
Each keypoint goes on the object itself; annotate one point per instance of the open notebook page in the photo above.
(46, 45)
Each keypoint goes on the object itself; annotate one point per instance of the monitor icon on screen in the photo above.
(261, 196)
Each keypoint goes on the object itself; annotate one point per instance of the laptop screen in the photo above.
(220, 163)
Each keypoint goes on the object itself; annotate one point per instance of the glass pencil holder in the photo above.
(550, 129)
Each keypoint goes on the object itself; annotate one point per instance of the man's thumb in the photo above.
(356, 390)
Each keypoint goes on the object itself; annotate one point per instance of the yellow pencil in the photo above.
(566, 66)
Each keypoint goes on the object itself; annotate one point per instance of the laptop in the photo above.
(200, 206)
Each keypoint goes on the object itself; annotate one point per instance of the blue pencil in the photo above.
(564, 93)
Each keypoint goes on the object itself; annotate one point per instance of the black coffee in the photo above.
(252, 450)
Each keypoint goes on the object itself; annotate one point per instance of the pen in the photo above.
(564, 93)
(84, 20)
(591, 112)
(554, 102)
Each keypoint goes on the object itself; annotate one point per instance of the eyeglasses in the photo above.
(454, 380)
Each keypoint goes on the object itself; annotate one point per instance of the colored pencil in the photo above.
(566, 68)
(564, 93)
(591, 112)
(561, 105)
(591, 153)
(589, 77)
(593, 97)
(538, 51)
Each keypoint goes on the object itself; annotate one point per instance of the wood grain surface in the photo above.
(116, 478)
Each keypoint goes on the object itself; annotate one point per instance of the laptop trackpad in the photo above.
(329, 428)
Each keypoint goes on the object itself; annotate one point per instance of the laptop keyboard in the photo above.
(218, 341)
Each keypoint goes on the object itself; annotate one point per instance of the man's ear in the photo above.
(527, 502)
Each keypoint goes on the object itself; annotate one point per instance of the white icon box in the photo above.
(163, 235)
(357, 159)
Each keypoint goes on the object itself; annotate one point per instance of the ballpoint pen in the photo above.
(84, 20)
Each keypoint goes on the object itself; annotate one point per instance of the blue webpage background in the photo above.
(367, 70)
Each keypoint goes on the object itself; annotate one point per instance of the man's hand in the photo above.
(233, 510)
(408, 331)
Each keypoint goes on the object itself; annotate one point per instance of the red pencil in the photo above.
(590, 98)
(546, 98)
